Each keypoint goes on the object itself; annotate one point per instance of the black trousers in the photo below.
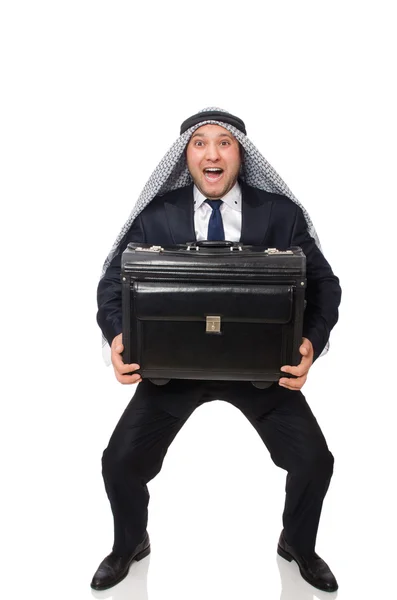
(153, 418)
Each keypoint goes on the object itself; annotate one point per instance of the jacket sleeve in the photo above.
(109, 315)
(323, 293)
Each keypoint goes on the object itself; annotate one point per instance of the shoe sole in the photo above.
(290, 558)
(136, 558)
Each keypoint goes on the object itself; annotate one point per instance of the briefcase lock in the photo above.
(213, 324)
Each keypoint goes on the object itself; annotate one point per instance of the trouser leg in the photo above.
(133, 457)
(294, 439)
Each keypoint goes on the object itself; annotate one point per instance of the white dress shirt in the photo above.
(230, 211)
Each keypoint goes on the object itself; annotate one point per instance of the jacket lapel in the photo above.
(180, 215)
(256, 211)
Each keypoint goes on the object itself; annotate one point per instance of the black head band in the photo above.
(213, 115)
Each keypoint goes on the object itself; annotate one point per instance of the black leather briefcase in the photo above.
(212, 310)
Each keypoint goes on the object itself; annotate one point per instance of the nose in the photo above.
(212, 152)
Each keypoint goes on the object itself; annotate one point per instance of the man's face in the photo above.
(213, 159)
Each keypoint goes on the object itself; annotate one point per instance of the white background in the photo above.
(93, 94)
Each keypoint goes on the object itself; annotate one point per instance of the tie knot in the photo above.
(214, 204)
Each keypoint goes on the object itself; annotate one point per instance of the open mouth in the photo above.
(213, 174)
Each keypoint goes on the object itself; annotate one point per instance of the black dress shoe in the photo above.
(312, 568)
(114, 568)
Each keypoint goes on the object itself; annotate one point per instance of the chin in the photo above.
(214, 195)
(212, 192)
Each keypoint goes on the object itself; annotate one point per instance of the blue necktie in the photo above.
(215, 225)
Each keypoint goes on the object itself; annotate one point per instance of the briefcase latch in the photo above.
(213, 324)
(150, 249)
(275, 251)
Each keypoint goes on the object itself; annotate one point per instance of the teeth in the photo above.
(214, 170)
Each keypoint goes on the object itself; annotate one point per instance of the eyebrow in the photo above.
(219, 135)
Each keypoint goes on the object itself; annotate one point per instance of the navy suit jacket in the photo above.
(268, 220)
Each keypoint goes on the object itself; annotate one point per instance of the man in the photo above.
(214, 184)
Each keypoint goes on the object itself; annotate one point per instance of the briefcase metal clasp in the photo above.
(151, 249)
(275, 251)
(213, 324)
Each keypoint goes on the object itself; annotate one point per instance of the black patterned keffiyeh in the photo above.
(172, 171)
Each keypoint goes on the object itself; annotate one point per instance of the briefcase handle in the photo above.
(213, 244)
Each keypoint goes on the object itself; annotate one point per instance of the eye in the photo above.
(225, 143)
(198, 143)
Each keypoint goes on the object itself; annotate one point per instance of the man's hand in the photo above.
(120, 369)
(301, 371)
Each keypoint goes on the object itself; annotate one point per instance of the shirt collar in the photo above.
(232, 198)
